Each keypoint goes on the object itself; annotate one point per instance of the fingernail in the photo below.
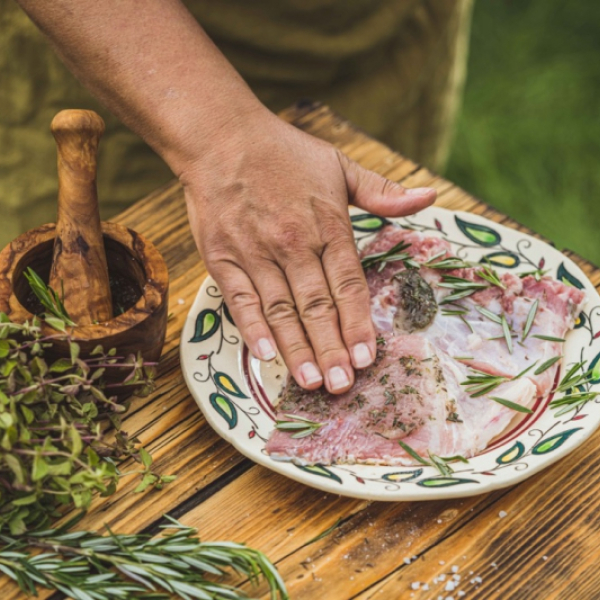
(265, 349)
(361, 355)
(310, 373)
(422, 191)
(338, 379)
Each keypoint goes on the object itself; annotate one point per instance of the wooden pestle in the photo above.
(79, 263)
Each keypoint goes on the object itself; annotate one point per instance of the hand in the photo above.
(268, 209)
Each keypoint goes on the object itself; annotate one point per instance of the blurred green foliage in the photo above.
(528, 138)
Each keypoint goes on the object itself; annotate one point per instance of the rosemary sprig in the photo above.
(86, 565)
(480, 383)
(512, 405)
(48, 297)
(461, 288)
(438, 462)
(302, 426)
(448, 263)
(530, 319)
(489, 274)
(396, 253)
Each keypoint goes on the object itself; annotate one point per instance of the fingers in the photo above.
(351, 297)
(244, 305)
(279, 309)
(380, 196)
(319, 315)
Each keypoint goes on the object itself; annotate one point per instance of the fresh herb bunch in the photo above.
(53, 413)
(91, 566)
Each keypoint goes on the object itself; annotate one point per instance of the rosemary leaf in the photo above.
(507, 336)
(511, 405)
(545, 366)
(549, 338)
(413, 453)
(489, 314)
(530, 319)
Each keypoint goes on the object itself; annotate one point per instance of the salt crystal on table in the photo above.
(461, 593)
(425, 586)
(544, 557)
(502, 514)
(181, 301)
(442, 577)
(449, 597)
(455, 569)
(439, 520)
(494, 565)
(442, 562)
(450, 586)
(407, 561)
(415, 585)
(456, 577)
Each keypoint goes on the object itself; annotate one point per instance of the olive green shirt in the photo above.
(393, 67)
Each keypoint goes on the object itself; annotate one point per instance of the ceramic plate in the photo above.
(235, 391)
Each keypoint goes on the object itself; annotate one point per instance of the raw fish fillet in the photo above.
(414, 391)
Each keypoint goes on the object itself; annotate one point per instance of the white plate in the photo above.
(235, 391)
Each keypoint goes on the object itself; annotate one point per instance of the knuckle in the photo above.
(351, 287)
(241, 301)
(316, 307)
(279, 310)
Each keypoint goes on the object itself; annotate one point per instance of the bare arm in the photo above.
(267, 203)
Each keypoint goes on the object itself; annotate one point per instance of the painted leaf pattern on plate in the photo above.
(207, 323)
(480, 234)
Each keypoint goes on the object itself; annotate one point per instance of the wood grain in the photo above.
(553, 514)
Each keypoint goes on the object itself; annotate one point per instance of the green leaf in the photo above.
(4, 348)
(553, 442)
(61, 365)
(74, 351)
(511, 405)
(147, 480)
(207, 323)
(368, 223)
(39, 469)
(145, 457)
(480, 234)
(56, 323)
(548, 338)
(225, 408)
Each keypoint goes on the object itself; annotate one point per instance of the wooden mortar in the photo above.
(115, 281)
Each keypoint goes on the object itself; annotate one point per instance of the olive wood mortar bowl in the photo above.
(139, 288)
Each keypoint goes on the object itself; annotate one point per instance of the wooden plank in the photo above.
(545, 547)
(260, 506)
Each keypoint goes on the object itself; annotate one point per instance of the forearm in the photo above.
(151, 64)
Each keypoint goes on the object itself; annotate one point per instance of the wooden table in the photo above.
(547, 546)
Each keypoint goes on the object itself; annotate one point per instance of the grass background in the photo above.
(528, 136)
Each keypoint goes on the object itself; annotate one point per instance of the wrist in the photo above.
(210, 131)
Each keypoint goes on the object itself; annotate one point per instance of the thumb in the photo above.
(380, 196)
